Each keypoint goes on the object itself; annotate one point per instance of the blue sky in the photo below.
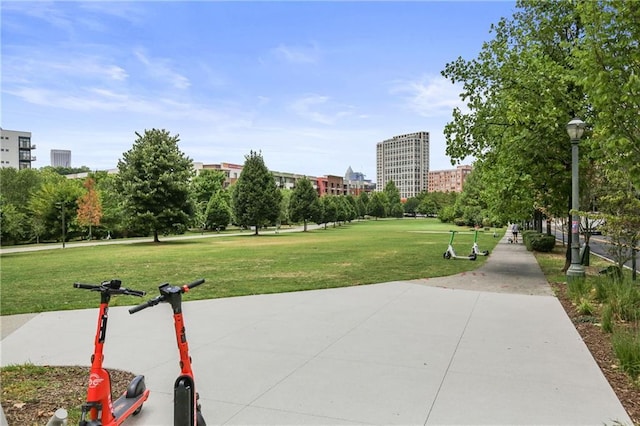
(312, 85)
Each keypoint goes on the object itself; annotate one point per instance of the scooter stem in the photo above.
(99, 380)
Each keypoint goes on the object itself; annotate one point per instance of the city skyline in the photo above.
(313, 86)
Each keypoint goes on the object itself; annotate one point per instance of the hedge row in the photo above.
(535, 241)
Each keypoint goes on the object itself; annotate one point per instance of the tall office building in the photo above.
(60, 158)
(16, 149)
(404, 159)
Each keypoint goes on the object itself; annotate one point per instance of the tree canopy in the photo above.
(302, 200)
(548, 63)
(154, 180)
(256, 198)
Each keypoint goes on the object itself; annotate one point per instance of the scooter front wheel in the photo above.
(446, 255)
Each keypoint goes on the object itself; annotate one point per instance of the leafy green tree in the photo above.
(352, 207)
(378, 205)
(302, 199)
(318, 212)
(361, 202)
(608, 67)
(54, 204)
(206, 183)
(154, 180)
(394, 208)
(19, 185)
(218, 212)
(342, 208)
(13, 224)
(114, 222)
(256, 198)
(515, 119)
(428, 207)
(620, 207)
(330, 208)
(411, 206)
(284, 217)
(61, 170)
(16, 190)
(471, 201)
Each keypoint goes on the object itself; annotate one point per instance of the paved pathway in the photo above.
(487, 347)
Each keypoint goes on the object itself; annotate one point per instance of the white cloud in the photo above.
(297, 54)
(429, 96)
(319, 109)
(161, 70)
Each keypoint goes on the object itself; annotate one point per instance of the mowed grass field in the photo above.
(363, 252)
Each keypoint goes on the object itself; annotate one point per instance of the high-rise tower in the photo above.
(404, 159)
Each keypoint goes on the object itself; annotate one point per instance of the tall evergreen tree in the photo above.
(154, 180)
(302, 199)
(256, 198)
(218, 212)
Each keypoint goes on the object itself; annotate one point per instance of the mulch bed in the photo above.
(599, 344)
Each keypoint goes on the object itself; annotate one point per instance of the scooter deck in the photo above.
(124, 407)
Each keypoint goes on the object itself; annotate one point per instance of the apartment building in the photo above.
(60, 158)
(324, 185)
(448, 180)
(16, 149)
(404, 159)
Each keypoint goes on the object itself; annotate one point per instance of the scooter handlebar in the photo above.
(196, 283)
(130, 292)
(85, 286)
(106, 287)
(147, 304)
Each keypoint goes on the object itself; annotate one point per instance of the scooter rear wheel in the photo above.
(447, 255)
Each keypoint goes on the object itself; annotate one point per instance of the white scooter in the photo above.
(451, 253)
(476, 250)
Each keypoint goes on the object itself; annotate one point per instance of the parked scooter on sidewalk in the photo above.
(186, 408)
(451, 253)
(99, 409)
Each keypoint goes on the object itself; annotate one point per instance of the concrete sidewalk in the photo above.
(488, 347)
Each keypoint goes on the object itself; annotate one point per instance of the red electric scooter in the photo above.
(99, 409)
(186, 408)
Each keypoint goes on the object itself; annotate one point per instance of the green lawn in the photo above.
(363, 252)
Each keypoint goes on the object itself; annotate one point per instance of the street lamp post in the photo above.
(575, 129)
(64, 228)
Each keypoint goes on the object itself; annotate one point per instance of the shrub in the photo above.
(578, 290)
(623, 297)
(527, 237)
(626, 345)
(459, 221)
(585, 307)
(543, 243)
(607, 318)
(601, 287)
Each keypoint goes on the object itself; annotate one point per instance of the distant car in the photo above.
(595, 226)
(594, 231)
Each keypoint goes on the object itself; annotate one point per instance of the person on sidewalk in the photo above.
(514, 232)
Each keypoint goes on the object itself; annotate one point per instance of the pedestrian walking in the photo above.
(514, 232)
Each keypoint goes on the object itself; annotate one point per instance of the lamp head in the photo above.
(575, 128)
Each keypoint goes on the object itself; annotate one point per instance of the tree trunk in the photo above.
(155, 236)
